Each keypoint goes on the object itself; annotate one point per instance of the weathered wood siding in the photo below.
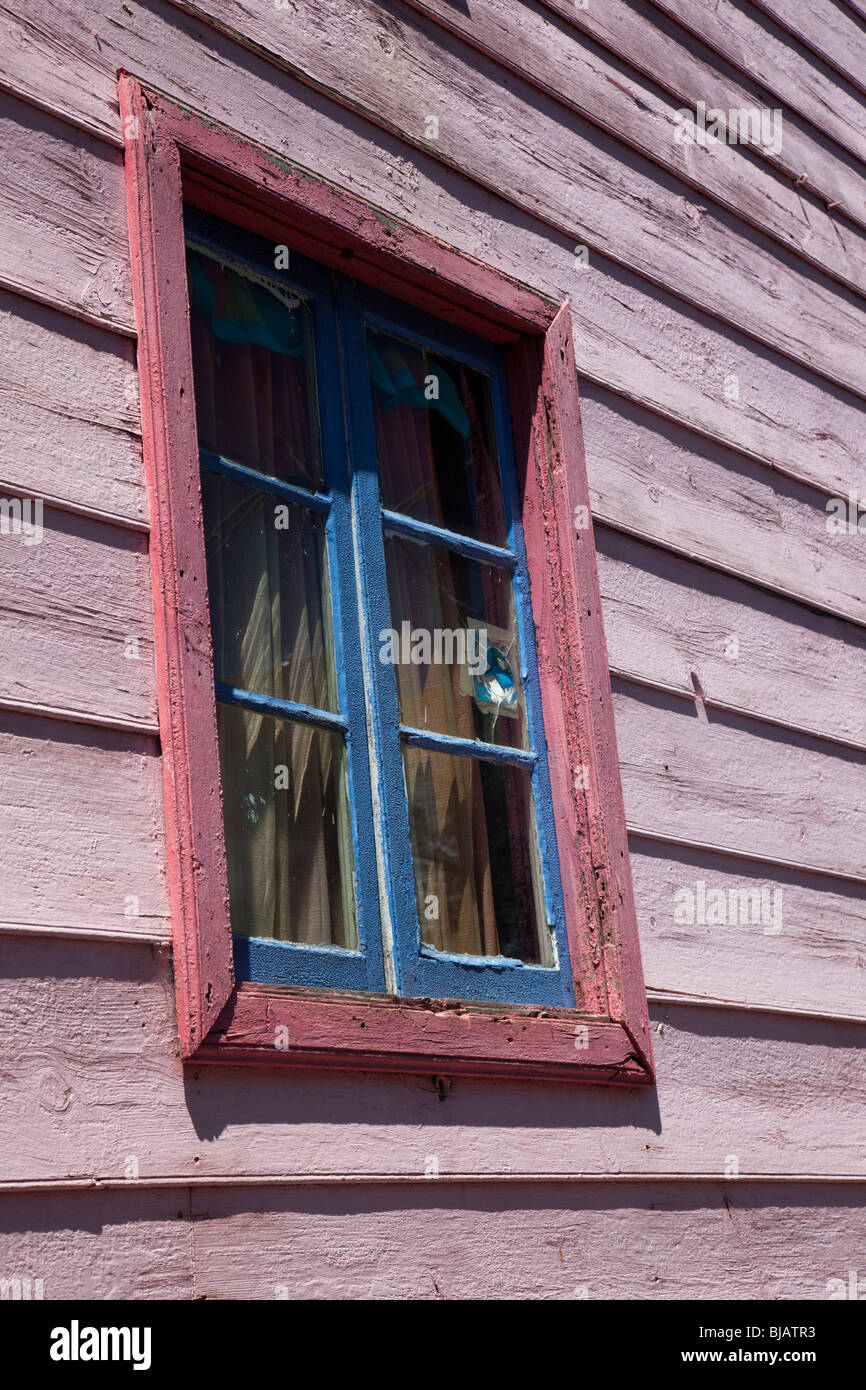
(719, 332)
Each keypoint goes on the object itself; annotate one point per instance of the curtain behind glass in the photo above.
(286, 833)
(445, 795)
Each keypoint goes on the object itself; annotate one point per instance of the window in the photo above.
(411, 524)
(394, 825)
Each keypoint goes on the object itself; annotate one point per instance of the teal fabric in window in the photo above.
(391, 375)
(240, 310)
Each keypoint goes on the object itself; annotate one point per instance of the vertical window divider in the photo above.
(346, 633)
(397, 881)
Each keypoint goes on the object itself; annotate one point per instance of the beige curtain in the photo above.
(450, 845)
(286, 844)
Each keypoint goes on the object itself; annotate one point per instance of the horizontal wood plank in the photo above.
(548, 1242)
(81, 814)
(69, 418)
(785, 1094)
(738, 785)
(75, 620)
(425, 1241)
(815, 961)
(677, 625)
(662, 484)
(126, 1245)
(64, 236)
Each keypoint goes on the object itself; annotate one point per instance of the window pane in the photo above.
(268, 586)
(475, 856)
(453, 641)
(288, 830)
(437, 452)
(254, 370)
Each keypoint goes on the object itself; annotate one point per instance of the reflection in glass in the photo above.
(254, 370)
(436, 444)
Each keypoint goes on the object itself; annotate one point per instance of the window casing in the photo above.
(439, 1010)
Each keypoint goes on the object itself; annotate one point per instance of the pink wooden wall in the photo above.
(719, 333)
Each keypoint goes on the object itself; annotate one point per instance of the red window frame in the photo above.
(174, 156)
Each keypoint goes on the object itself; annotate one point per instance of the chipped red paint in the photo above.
(195, 862)
(173, 155)
(574, 675)
(362, 1031)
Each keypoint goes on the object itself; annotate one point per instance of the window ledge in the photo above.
(271, 1025)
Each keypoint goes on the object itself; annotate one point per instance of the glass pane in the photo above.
(288, 830)
(475, 854)
(453, 641)
(437, 450)
(268, 585)
(254, 370)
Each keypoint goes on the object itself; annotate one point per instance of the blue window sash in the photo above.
(256, 958)
(421, 971)
(390, 958)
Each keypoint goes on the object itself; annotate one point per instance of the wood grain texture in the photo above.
(761, 292)
(195, 855)
(642, 219)
(76, 629)
(573, 659)
(640, 342)
(784, 1094)
(82, 826)
(730, 1241)
(538, 1241)
(816, 962)
(738, 785)
(671, 623)
(676, 60)
(828, 30)
(660, 482)
(75, 250)
(525, 40)
(753, 43)
(687, 367)
(118, 1245)
(69, 392)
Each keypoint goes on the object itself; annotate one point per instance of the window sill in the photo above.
(277, 1025)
